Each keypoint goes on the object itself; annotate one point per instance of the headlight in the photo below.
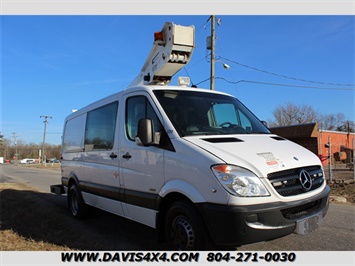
(239, 181)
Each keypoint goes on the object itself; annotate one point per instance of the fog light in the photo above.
(253, 218)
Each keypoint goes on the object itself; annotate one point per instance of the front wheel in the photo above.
(184, 228)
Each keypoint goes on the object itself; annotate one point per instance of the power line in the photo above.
(207, 79)
(203, 25)
(282, 85)
(284, 76)
(197, 62)
(189, 76)
(276, 84)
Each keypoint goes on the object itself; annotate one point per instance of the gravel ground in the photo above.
(342, 184)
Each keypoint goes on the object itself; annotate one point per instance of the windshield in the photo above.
(203, 113)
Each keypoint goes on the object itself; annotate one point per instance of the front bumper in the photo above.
(238, 225)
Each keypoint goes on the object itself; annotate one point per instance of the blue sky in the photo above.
(53, 64)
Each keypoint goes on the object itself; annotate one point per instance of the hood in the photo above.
(262, 154)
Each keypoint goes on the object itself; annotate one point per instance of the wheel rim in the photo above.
(182, 234)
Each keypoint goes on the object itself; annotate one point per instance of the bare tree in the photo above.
(292, 114)
(332, 121)
(24, 150)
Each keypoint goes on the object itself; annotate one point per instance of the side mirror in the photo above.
(145, 134)
(264, 123)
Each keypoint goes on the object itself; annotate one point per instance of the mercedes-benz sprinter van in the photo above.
(195, 164)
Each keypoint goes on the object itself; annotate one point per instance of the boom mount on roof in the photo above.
(172, 50)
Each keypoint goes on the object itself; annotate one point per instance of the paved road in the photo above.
(337, 232)
(39, 178)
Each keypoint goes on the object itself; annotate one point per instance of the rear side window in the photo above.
(73, 139)
(100, 127)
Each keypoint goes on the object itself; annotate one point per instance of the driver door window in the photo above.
(138, 107)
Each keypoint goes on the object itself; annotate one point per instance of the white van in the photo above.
(195, 164)
(27, 161)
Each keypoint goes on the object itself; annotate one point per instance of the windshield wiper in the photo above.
(258, 132)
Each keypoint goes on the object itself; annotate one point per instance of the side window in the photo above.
(100, 127)
(245, 122)
(73, 138)
(138, 107)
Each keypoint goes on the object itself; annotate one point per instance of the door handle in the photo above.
(112, 155)
(127, 156)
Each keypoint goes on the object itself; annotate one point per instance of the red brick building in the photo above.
(310, 137)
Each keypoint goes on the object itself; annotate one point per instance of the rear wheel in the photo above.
(76, 204)
(184, 228)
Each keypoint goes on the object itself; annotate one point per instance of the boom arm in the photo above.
(172, 50)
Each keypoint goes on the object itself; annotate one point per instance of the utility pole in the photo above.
(211, 43)
(44, 136)
(330, 159)
(1, 139)
(353, 151)
(1, 144)
(15, 143)
(213, 38)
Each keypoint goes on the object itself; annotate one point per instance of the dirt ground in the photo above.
(23, 225)
(342, 183)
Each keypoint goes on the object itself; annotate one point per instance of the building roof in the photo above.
(336, 132)
(297, 131)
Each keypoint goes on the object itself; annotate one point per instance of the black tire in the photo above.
(184, 228)
(76, 204)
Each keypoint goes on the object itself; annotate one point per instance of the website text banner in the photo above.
(53, 258)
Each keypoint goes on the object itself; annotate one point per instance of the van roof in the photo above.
(147, 88)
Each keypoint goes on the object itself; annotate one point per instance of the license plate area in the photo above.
(308, 225)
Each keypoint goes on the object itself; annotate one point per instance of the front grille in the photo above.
(287, 183)
(302, 211)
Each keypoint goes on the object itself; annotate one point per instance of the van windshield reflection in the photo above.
(206, 113)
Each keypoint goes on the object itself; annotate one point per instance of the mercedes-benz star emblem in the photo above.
(305, 180)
